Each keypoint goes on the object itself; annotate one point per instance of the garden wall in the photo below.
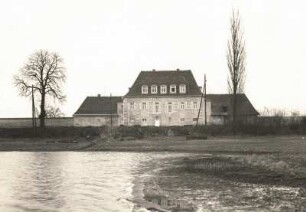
(27, 122)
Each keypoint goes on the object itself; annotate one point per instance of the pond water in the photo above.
(68, 181)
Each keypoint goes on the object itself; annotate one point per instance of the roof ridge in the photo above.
(105, 96)
(225, 94)
(175, 70)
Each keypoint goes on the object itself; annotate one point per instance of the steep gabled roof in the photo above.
(168, 78)
(98, 105)
(221, 105)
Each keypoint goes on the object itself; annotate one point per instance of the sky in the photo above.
(106, 43)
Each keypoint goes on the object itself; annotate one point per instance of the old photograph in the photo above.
(152, 105)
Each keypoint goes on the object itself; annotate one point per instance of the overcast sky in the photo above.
(105, 44)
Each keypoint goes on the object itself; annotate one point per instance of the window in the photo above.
(172, 88)
(182, 105)
(153, 89)
(175, 105)
(182, 88)
(224, 109)
(144, 105)
(132, 106)
(170, 119)
(188, 105)
(151, 105)
(195, 119)
(144, 89)
(169, 107)
(156, 107)
(144, 120)
(195, 105)
(163, 89)
(182, 119)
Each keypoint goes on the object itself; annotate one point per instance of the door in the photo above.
(157, 122)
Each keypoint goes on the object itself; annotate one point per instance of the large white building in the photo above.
(162, 98)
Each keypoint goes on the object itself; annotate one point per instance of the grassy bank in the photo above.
(224, 145)
(139, 132)
(213, 145)
(181, 139)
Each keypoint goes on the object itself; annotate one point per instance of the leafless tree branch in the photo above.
(44, 71)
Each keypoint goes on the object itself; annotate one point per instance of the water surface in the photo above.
(68, 181)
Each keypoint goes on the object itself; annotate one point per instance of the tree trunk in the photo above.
(42, 111)
(234, 113)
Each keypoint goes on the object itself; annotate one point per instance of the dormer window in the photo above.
(182, 88)
(163, 89)
(144, 89)
(154, 89)
(172, 88)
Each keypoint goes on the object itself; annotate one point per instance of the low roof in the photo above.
(221, 105)
(168, 78)
(99, 105)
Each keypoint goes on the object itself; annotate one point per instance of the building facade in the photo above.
(164, 98)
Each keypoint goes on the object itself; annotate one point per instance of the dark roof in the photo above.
(168, 78)
(221, 105)
(101, 105)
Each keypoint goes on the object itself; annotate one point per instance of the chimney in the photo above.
(99, 95)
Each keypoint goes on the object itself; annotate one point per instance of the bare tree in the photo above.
(236, 56)
(46, 73)
(54, 112)
(273, 112)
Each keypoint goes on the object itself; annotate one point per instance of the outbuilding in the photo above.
(98, 111)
